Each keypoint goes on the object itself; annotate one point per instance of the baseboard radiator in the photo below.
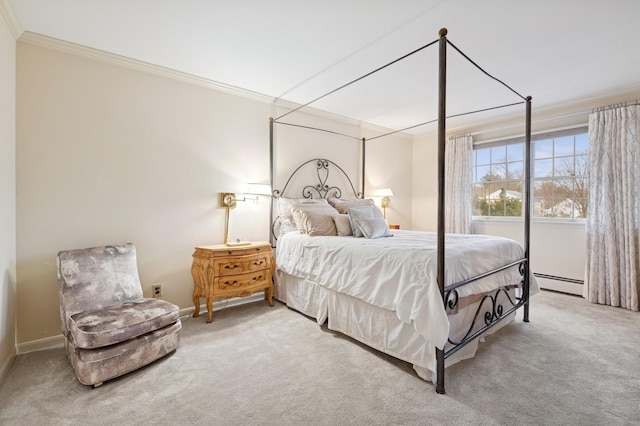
(557, 278)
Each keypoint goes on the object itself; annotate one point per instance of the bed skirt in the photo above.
(376, 327)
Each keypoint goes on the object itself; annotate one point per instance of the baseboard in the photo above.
(222, 304)
(58, 341)
(36, 345)
(6, 364)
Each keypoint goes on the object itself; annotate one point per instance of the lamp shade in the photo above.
(383, 192)
(258, 189)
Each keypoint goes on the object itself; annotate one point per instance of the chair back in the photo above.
(96, 277)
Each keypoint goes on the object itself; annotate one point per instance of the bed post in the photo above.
(364, 147)
(442, 97)
(271, 182)
(527, 211)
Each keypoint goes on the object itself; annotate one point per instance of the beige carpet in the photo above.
(574, 364)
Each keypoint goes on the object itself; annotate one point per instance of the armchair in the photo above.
(110, 329)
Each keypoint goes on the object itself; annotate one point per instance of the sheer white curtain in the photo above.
(613, 264)
(458, 184)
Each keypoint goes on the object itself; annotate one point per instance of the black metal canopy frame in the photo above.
(496, 311)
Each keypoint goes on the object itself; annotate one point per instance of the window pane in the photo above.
(498, 154)
(543, 168)
(581, 165)
(582, 144)
(581, 205)
(482, 173)
(543, 149)
(515, 152)
(563, 189)
(563, 146)
(543, 194)
(498, 172)
(483, 156)
(563, 166)
(515, 170)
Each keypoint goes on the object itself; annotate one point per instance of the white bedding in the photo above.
(399, 273)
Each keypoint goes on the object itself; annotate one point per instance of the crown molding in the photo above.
(112, 58)
(9, 14)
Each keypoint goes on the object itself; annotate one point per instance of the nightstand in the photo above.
(394, 226)
(220, 271)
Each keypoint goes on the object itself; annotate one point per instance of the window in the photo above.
(558, 176)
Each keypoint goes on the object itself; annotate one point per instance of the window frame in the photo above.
(549, 135)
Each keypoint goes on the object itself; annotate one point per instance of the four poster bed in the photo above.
(421, 297)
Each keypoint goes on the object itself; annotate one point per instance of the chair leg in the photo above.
(97, 385)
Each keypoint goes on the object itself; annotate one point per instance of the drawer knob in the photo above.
(231, 283)
(258, 278)
(231, 267)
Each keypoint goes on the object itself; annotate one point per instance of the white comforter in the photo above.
(399, 273)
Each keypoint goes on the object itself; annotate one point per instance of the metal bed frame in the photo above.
(497, 311)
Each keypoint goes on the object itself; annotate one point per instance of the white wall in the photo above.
(8, 295)
(109, 154)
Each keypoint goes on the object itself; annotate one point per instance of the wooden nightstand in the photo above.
(220, 271)
(394, 226)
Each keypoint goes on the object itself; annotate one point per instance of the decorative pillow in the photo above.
(334, 201)
(343, 224)
(316, 220)
(344, 206)
(362, 213)
(373, 228)
(286, 216)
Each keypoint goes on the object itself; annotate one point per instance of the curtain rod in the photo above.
(618, 105)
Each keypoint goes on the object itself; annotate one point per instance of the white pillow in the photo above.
(362, 213)
(373, 228)
(343, 224)
(286, 216)
(344, 206)
(315, 220)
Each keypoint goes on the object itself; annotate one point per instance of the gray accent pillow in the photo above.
(373, 228)
(371, 212)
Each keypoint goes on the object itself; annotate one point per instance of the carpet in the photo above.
(575, 363)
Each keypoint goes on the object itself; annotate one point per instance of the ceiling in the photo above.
(557, 51)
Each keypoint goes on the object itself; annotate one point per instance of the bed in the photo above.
(421, 297)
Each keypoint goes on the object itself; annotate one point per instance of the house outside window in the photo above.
(558, 176)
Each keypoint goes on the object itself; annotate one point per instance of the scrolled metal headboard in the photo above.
(319, 188)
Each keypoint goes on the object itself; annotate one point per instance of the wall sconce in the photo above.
(229, 200)
(386, 195)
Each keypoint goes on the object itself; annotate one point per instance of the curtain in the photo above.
(458, 184)
(612, 264)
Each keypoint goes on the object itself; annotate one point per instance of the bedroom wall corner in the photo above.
(8, 293)
(389, 165)
(424, 175)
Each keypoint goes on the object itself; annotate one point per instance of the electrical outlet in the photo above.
(156, 290)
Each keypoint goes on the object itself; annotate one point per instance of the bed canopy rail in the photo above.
(448, 293)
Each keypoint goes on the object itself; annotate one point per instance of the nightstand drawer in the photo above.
(239, 282)
(242, 264)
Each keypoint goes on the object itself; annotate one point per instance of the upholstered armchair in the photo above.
(109, 327)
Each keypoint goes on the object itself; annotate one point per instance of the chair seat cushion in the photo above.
(117, 323)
